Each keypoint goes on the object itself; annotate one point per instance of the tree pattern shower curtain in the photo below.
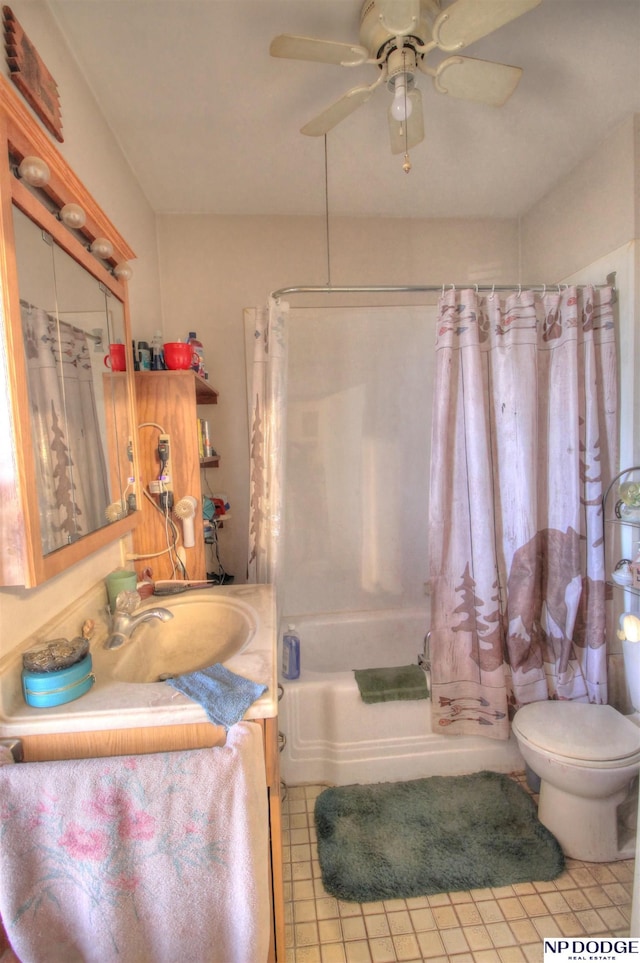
(267, 376)
(524, 441)
(65, 427)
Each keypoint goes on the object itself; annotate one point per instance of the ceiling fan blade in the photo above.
(466, 21)
(399, 17)
(321, 51)
(480, 80)
(414, 125)
(337, 111)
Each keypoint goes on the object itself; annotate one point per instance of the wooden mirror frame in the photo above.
(21, 558)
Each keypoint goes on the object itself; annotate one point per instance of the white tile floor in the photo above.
(503, 925)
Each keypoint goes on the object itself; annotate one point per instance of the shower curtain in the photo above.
(524, 440)
(267, 437)
(65, 428)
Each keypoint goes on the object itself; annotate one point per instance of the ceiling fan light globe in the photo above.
(401, 107)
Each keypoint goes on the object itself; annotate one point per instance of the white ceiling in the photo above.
(210, 122)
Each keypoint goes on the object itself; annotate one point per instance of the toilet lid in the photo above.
(578, 730)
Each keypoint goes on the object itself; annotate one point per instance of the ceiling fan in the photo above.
(397, 36)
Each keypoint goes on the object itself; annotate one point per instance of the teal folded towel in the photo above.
(397, 682)
(224, 696)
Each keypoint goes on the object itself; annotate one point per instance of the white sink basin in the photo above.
(234, 624)
(201, 633)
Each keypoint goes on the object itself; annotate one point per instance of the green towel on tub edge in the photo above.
(391, 684)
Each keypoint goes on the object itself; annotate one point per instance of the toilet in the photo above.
(587, 757)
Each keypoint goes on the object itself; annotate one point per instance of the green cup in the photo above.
(120, 580)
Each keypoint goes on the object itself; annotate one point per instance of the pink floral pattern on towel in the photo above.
(109, 851)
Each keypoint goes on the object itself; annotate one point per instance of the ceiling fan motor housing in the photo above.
(375, 37)
(401, 63)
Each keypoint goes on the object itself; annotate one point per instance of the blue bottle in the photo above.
(290, 654)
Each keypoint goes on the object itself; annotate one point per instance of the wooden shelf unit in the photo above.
(169, 399)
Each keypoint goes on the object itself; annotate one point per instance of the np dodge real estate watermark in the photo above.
(616, 950)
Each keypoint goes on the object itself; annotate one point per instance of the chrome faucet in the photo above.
(124, 622)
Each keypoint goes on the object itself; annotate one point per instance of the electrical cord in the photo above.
(171, 533)
(166, 497)
(220, 577)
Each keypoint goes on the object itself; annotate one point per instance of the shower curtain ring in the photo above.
(519, 290)
(493, 291)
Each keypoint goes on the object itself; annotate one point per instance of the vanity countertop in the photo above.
(110, 704)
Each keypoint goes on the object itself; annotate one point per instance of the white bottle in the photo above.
(157, 354)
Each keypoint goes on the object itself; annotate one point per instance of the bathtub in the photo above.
(331, 736)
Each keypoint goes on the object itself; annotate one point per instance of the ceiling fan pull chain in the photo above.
(326, 210)
(406, 167)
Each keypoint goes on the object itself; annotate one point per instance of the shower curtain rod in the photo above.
(423, 288)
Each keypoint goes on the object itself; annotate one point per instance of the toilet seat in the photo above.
(579, 734)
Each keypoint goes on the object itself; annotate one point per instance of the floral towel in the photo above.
(161, 858)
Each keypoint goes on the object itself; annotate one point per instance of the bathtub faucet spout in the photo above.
(124, 622)
(424, 657)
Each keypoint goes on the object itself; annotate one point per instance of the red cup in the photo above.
(116, 359)
(178, 355)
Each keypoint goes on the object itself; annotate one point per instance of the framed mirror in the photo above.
(70, 488)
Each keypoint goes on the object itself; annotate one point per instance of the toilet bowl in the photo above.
(587, 757)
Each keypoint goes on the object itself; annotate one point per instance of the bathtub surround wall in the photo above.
(358, 426)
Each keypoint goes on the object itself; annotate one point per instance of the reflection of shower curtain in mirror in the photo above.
(71, 474)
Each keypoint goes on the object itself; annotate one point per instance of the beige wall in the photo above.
(590, 212)
(587, 226)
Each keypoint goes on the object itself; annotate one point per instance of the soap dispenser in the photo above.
(291, 653)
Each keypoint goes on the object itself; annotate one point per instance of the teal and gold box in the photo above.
(44, 690)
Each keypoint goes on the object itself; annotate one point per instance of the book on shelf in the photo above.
(204, 439)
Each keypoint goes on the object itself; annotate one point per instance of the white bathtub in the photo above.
(332, 736)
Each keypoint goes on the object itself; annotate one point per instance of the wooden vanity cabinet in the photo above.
(82, 745)
(169, 400)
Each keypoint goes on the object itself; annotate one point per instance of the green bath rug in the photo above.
(392, 683)
(435, 835)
